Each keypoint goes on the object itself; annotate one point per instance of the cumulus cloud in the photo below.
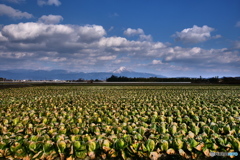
(34, 31)
(50, 19)
(88, 48)
(2, 38)
(157, 61)
(145, 37)
(195, 34)
(199, 58)
(133, 32)
(120, 44)
(40, 32)
(13, 13)
(49, 2)
(140, 32)
(113, 42)
(194, 61)
(90, 33)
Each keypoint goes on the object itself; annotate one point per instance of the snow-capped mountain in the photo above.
(121, 70)
(66, 75)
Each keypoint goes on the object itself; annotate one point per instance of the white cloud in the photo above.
(195, 34)
(120, 44)
(15, 55)
(49, 2)
(33, 31)
(157, 61)
(90, 33)
(238, 24)
(112, 42)
(104, 58)
(133, 32)
(87, 48)
(13, 13)
(194, 61)
(198, 57)
(145, 37)
(2, 38)
(57, 59)
(40, 32)
(158, 45)
(50, 19)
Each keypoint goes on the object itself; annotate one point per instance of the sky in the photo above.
(187, 38)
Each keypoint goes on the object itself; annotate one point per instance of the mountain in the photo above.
(122, 70)
(21, 74)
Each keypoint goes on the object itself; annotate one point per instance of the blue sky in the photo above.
(168, 37)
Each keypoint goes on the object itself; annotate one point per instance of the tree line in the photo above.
(224, 80)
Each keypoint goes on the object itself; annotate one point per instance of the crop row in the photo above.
(125, 122)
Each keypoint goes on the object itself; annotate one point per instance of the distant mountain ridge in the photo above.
(22, 74)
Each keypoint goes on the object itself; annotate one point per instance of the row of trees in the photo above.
(225, 80)
(4, 79)
(83, 80)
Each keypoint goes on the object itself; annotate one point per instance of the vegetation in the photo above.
(124, 122)
(224, 80)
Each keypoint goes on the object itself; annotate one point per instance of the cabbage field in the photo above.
(119, 122)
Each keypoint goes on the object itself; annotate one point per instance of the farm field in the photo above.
(119, 122)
